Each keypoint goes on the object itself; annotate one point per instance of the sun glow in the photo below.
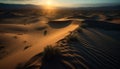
(49, 8)
(49, 4)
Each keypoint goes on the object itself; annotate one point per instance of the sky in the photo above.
(71, 3)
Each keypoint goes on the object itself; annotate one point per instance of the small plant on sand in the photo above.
(51, 53)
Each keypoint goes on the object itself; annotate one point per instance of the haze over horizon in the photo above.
(65, 3)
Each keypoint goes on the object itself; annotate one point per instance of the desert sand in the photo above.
(92, 45)
(25, 41)
(86, 40)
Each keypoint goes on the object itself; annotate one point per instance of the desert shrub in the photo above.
(51, 53)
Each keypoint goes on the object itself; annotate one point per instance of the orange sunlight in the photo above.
(49, 8)
(49, 4)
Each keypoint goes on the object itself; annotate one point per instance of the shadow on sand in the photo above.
(59, 24)
(102, 25)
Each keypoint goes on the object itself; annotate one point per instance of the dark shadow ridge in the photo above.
(102, 25)
(59, 24)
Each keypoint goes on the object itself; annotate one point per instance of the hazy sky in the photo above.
(63, 2)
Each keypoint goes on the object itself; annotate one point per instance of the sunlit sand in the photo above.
(46, 36)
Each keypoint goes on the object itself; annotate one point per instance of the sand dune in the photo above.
(27, 40)
(90, 49)
(93, 49)
(86, 39)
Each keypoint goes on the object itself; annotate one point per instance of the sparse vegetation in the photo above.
(51, 53)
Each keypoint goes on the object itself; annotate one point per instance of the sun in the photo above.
(49, 3)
